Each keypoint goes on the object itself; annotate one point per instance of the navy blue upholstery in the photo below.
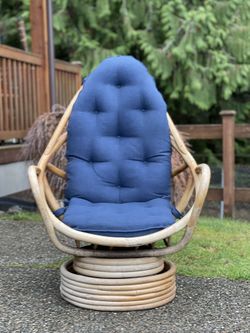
(119, 153)
(119, 220)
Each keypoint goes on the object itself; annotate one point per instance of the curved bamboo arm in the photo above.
(53, 223)
(180, 146)
(52, 201)
(53, 143)
(204, 173)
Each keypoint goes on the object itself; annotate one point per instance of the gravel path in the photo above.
(30, 300)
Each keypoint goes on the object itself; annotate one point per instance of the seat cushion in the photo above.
(118, 146)
(119, 219)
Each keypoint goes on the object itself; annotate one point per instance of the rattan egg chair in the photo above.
(118, 195)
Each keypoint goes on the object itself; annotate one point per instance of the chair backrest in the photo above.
(118, 147)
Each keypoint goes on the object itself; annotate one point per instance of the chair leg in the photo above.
(118, 284)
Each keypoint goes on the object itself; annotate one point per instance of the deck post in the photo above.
(228, 137)
(39, 37)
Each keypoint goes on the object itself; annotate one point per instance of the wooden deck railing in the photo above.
(20, 98)
(21, 103)
(228, 131)
(19, 91)
(68, 81)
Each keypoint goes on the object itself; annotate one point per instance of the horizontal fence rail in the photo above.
(228, 131)
(20, 89)
(212, 132)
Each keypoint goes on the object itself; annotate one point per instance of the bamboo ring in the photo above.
(118, 293)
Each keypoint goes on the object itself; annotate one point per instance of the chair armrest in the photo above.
(189, 221)
(201, 189)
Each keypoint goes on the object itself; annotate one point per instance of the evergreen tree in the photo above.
(198, 51)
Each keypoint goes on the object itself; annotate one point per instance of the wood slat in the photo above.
(11, 153)
(215, 194)
(242, 131)
(5, 135)
(74, 86)
(35, 114)
(21, 95)
(228, 140)
(62, 88)
(66, 84)
(211, 132)
(67, 67)
(40, 102)
(242, 194)
(25, 95)
(33, 96)
(202, 132)
(1, 94)
(16, 110)
(29, 92)
(5, 97)
(8, 52)
(10, 91)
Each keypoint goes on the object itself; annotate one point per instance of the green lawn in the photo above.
(21, 216)
(219, 248)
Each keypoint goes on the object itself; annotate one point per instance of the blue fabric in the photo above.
(118, 148)
(119, 219)
(58, 212)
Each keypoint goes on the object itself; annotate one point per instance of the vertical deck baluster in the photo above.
(1, 94)
(37, 90)
(32, 90)
(39, 94)
(11, 96)
(30, 104)
(21, 95)
(25, 96)
(57, 87)
(60, 87)
(5, 97)
(16, 96)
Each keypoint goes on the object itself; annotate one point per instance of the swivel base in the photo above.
(118, 284)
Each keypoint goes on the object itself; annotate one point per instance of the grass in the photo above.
(219, 248)
(21, 216)
(51, 265)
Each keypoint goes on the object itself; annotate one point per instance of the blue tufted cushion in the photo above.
(118, 150)
(118, 220)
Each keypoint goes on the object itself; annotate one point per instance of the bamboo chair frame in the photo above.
(197, 186)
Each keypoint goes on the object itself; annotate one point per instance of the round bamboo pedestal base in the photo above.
(118, 284)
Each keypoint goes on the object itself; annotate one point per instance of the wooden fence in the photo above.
(21, 103)
(68, 81)
(228, 131)
(20, 89)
